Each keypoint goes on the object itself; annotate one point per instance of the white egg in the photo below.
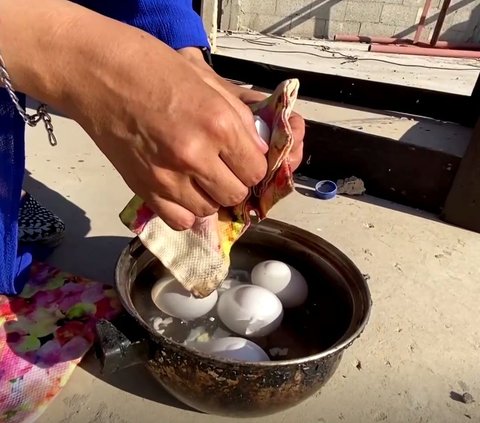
(262, 129)
(228, 284)
(283, 280)
(173, 299)
(250, 310)
(233, 348)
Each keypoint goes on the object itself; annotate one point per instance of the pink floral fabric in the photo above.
(44, 333)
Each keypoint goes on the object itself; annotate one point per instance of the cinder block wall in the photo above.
(325, 18)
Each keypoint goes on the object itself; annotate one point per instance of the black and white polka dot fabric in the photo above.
(38, 224)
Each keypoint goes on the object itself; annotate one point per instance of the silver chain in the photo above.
(30, 120)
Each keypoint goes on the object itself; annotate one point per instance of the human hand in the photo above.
(176, 141)
(297, 123)
(233, 93)
(179, 144)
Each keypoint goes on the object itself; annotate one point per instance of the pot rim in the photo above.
(273, 226)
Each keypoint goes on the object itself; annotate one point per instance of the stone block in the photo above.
(363, 12)
(376, 29)
(230, 16)
(321, 28)
(397, 14)
(461, 20)
(264, 23)
(305, 28)
(290, 7)
(264, 7)
(419, 3)
(330, 11)
(457, 36)
(341, 27)
(401, 32)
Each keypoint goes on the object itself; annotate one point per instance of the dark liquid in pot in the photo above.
(306, 330)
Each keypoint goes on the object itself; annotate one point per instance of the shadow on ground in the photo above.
(91, 257)
(95, 258)
(135, 380)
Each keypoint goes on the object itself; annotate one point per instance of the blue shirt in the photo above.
(172, 21)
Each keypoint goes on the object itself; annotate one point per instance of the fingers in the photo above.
(193, 198)
(297, 124)
(199, 179)
(246, 161)
(174, 215)
(224, 88)
(241, 154)
(222, 185)
(243, 150)
(296, 156)
(182, 189)
(246, 116)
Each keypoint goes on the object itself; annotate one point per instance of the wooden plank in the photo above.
(209, 14)
(410, 175)
(364, 93)
(462, 207)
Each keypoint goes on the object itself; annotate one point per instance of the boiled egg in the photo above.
(250, 310)
(173, 299)
(283, 280)
(233, 348)
(262, 129)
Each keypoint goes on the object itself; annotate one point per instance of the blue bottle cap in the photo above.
(325, 190)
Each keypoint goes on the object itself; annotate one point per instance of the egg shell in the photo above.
(262, 129)
(173, 299)
(233, 348)
(227, 284)
(250, 310)
(286, 282)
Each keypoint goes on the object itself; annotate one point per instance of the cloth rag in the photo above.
(199, 258)
(44, 333)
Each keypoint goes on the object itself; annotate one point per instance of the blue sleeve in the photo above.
(172, 21)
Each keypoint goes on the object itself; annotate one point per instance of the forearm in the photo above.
(54, 50)
(33, 43)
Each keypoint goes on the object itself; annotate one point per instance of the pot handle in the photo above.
(136, 248)
(115, 351)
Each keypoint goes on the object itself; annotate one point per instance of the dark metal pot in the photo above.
(334, 316)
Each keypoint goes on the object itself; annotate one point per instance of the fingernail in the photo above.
(263, 144)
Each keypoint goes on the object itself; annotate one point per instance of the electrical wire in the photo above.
(346, 57)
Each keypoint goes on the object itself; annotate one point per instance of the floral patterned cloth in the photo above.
(199, 258)
(44, 333)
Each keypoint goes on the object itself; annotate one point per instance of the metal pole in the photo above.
(421, 23)
(422, 51)
(439, 24)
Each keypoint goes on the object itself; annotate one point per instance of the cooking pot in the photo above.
(318, 333)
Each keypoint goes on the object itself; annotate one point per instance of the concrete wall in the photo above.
(325, 18)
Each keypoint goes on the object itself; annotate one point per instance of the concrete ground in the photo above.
(447, 137)
(435, 73)
(451, 75)
(419, 351)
